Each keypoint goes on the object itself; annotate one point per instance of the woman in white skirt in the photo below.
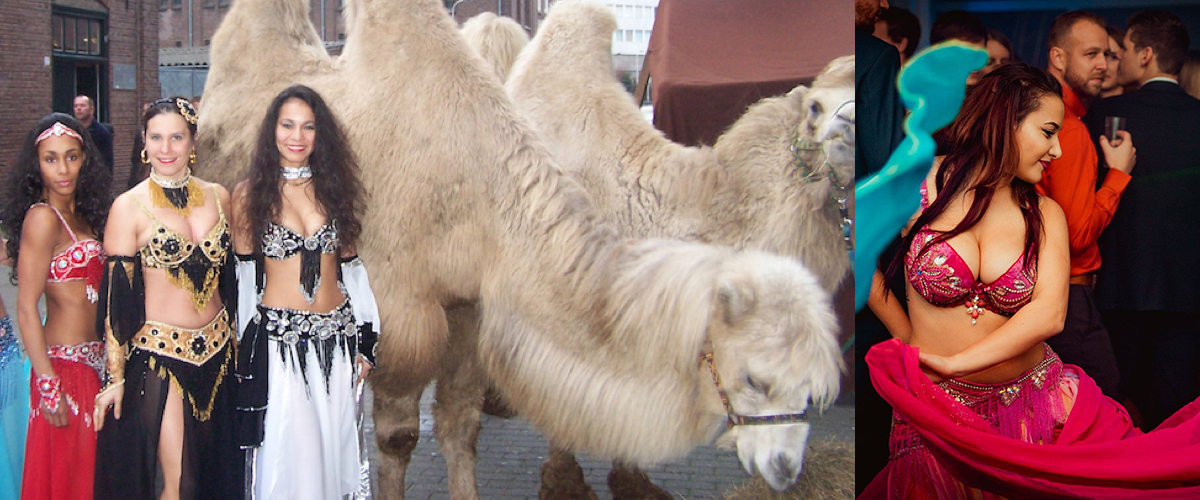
(307, 318)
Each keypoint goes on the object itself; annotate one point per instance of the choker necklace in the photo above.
(178, 195)
(291, 174)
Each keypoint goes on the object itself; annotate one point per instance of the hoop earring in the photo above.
(145, 157)
(192, 158)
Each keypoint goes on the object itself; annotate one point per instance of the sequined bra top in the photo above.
(943, 278)
(280, 242)
(82, 260)
(192, 266)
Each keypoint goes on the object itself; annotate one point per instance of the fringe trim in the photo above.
(201, 414)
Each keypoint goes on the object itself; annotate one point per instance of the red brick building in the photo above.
(56, 49)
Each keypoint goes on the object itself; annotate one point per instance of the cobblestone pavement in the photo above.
(511, 453)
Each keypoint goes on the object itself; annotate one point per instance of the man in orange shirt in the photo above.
(1078, 45)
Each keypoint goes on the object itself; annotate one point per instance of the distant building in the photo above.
(57, 49)
(635, 19)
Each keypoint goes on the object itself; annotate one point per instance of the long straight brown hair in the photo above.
(981, 153)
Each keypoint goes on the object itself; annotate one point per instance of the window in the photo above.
(176, 4)
(56, 33)
(641, 36)
(76, 35)
(69, 34)
(164, 4)
(94, 37)
(628, 35)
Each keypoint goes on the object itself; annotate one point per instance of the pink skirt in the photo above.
(1031, 407)
(1049, 433)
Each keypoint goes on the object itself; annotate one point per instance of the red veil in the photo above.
(1098, 454)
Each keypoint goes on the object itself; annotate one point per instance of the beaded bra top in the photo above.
(82, 260)
(280, 242)
(192, 266)
(940, 275)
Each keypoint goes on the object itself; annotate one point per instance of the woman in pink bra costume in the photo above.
(58, 202)
(983, 408)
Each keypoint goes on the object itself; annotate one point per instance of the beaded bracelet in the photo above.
(50, 389)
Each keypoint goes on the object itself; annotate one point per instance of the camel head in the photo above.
(774, 349)
(829, 124)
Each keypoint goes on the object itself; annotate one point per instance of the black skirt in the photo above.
(127, 449)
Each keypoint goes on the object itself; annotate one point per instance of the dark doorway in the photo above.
(72, 78)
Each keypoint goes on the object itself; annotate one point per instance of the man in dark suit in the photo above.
(85, 112)
(879, 131)
(1149, 285)
(877, 62)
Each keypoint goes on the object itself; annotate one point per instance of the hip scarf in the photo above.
(1029, 407)
(295, 332)
(194, 359)
(90, 354)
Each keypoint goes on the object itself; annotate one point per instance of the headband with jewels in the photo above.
(57, 129)
(186, 109)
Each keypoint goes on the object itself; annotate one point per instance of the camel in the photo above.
(745, 192)
(595, 338)
(497, 39)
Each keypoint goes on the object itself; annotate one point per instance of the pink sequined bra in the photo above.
(944, 279)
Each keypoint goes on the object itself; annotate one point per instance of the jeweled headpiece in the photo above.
(186, 109)
(57, 129)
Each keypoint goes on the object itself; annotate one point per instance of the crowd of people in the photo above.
(1046, 290)
(196, 343)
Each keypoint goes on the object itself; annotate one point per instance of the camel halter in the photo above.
(735, 419)
(825, 171)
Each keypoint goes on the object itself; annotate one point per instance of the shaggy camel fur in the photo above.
(497, 39)
(468, 207)
(746, 191)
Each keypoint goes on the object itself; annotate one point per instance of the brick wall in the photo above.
(131, 42)
(25, 84)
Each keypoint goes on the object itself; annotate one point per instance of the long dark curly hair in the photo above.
(335, 172)
(92, 194)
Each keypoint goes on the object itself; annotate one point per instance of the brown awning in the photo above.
(709, 60)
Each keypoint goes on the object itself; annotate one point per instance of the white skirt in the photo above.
(312, 430)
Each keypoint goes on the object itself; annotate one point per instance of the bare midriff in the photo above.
(282, 287)
(70, 316)
(947, 331)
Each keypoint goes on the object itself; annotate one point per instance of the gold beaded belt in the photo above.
(193, 346)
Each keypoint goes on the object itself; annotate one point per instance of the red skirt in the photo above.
(60, 462)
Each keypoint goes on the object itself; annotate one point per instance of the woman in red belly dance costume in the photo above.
(58, 202)
(983, 408)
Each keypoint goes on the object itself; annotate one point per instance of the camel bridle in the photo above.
(734, 418)
(825, 171)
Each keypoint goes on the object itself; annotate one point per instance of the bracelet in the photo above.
(50, 389)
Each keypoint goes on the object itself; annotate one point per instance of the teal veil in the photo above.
(932, 85)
